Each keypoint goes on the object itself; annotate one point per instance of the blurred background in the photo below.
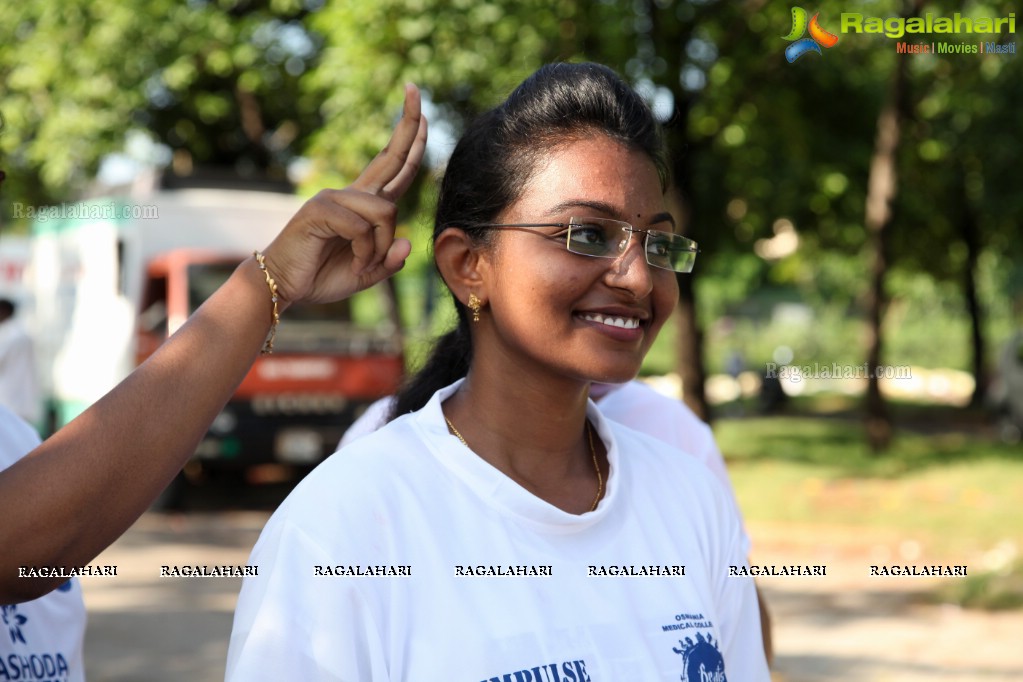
(853, 329)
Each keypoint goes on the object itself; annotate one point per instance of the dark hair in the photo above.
(7, 308)
(495, 159)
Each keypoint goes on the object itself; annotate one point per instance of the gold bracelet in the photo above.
(268, 346)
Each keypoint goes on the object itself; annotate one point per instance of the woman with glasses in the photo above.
(500, 528)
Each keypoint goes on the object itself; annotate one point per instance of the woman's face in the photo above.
(592, 319)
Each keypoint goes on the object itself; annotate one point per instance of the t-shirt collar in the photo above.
(500, 491)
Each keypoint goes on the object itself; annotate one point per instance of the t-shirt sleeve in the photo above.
(715, 461)
(738, 611)
(287, 627)
(369, 421)
(639, 407)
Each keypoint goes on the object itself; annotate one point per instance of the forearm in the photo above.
(78, 491)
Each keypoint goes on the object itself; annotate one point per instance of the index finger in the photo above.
(391, 159)
(396, 187)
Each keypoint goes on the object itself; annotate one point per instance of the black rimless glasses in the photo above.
(608, 238)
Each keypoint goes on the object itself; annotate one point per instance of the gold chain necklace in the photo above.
(593, 454)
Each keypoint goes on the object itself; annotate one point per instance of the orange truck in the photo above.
(110, 280)
(294, 405)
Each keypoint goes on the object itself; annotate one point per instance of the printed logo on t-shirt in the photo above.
(569, 671)
(13, 620)
(701, 659)
(18, 664)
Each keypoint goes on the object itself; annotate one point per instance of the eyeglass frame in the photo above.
(625, 226)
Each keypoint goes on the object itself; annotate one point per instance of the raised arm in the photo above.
(83, 487)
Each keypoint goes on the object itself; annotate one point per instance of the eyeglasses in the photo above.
(607, 238)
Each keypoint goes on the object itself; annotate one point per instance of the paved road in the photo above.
(150, 629)
(144, 628)
(854, 627)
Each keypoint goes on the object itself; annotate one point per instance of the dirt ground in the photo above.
(846, 626)
(854, 626)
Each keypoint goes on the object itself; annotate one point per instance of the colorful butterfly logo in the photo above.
(818, 36)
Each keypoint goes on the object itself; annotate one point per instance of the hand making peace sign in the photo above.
(342, 241)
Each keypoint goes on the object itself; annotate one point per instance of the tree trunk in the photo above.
(882, 187)
(690, 362)
(666, 30)
(970, 235)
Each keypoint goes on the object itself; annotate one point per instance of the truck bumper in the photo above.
(240, 437)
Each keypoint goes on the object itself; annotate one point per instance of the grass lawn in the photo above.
(958, 493)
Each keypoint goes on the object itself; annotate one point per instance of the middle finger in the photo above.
(387, 165)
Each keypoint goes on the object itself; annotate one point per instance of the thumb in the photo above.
(394, 260)
(396, 254)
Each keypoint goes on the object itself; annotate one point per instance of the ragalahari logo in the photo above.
(818, 36)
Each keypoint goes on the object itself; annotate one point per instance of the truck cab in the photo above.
(329, 363)
(107, 280)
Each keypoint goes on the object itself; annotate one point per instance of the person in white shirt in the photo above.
(502, 529)
(638, 406)
(40, 639)
(634, 404)
(19, 386)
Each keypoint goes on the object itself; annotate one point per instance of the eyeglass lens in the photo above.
(606, 238)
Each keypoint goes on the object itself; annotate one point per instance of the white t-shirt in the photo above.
(19, 386)
(411, 498)
(640, 407)
(634, 404)
(39, 639)
(369, 421)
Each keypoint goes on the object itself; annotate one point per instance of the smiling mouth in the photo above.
(620, 322)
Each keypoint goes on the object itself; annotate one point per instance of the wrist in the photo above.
(275, 301)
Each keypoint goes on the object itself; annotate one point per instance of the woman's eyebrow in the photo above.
(662, 218)
(599, 206)
(608, 209)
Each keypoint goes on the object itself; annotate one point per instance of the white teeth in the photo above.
(621, 322)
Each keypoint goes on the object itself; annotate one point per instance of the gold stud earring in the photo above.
(474, 305)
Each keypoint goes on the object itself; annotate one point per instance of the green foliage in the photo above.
(759, 146)
(989, 591)
(67, 72)
(465, 55)
(217, 82)
(226, 92)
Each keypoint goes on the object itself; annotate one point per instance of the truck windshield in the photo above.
(361, 324)
(205, 278)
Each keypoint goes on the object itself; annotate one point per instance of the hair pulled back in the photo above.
(498, 155)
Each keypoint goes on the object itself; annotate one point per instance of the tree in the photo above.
(715, 72)
(882, 190)
(216, 82)
(756, 144)
(960, 162)
(465, 55)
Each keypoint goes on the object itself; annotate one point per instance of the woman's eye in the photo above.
(659, 248)
(587, 234)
